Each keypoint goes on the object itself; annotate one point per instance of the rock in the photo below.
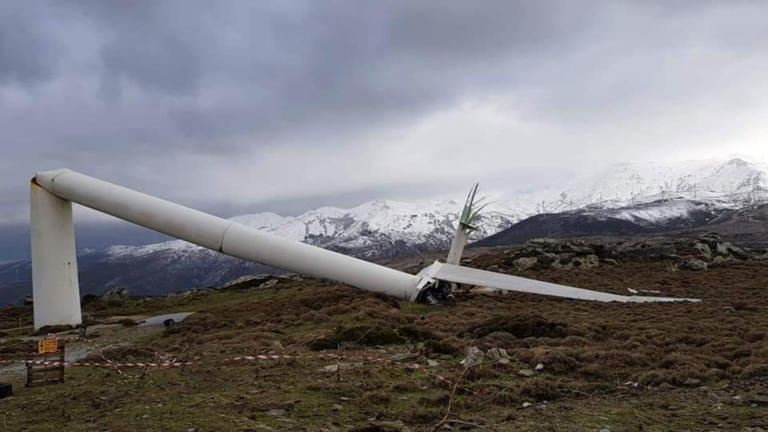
(525, 373)
(115, 297)
(277, 346)
(546, 258)
(585, 262)
(526, 404)
(721, 259)
(432, 363)
(473, 356)
(610, 261)
(330, 368)
(496, 354)
(703, 250)
(117, 291)
(723, 249)
(542, 242)
(525, 263)
(579, 248)
(763, 256)
(740, 253)
(567, 261)
(276, 412)
(247, 279)
(540, 367)
(711, 240)
(391, 426)
(562, 263)
(504, 361)
(691, 382)
(337, 407)
(405, 356)
(268, 284)
(693, 264)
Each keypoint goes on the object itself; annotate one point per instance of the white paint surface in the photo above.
(470, 276)
(54, 264)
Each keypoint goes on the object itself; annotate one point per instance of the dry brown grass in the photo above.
(687, 356)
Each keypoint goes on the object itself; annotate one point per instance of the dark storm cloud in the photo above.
(218, 69)
(27, 56)
(228, 104)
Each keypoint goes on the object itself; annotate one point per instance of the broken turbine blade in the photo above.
(470, 276)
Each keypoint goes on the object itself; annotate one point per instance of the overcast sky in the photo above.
(245, 106)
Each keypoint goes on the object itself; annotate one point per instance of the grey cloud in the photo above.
(131, 91)
(27, 56)
(316, 65)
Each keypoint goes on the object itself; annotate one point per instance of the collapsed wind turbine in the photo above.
(55, 286)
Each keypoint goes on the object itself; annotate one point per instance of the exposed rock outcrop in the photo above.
(684, 254)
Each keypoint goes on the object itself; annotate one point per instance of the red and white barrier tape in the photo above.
(238, 359)
(107, 364)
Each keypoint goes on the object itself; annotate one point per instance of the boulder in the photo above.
(330, 368)
(546, 258)
(702, 250)
(115, 297)
(525, 263)
(586, 261)
(496, 354)
(721, 259)
(473, 356)
(692, 382)
(118, 292)
(693, 264)
(268, 284)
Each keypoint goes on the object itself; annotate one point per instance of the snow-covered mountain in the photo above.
(647, 193)
(640, 196)
(732, 182)
(376, 229)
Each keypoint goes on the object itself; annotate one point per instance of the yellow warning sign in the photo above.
(47, 346)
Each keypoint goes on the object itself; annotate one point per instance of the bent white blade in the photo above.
(471, 276)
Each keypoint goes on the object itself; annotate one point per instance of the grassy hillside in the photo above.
(358, 361)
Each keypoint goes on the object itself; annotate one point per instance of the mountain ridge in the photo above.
(680, 196)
